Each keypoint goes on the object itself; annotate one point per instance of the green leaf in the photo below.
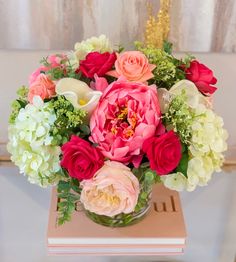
(187, 60)
(184, 148)
(167, 47)
(85, 129)
(145, 165)
(75, 185)
(120, 48)
(183, 164)
(63, 186)
(69, 195)
(150, 176)
(144, 195)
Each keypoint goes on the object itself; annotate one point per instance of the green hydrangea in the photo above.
(179, 117)
(68, 120)
(167, 71)
(19, 103)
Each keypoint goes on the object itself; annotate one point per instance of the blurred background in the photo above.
(197, 26)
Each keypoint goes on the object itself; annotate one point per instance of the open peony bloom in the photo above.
(134, 66)
(113, 190)
(78, 93)
(127, 114)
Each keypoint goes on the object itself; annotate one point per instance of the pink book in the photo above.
(161, 232)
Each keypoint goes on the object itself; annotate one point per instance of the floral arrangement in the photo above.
(105, 124)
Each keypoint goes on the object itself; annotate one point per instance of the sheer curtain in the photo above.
(202, 25)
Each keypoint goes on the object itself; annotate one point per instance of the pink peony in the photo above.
(126, 115)
(43, 87)
(100, 83)
(114, 189)
(134, 66)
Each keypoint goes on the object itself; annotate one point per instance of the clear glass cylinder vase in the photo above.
(122, 220)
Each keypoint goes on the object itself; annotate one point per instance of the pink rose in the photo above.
(53, 61)
(134, 66)
(127, 114)
(43, 87)
(163, 152)
(80, 158)
(113, 190)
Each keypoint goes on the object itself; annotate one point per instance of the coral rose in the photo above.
(80, 158)
(202, 77)
(96, 63)
(43, 87)
(113, 190)
(163, 152)
(134, 66)
(127, 114)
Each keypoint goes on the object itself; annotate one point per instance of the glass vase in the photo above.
(122, 220)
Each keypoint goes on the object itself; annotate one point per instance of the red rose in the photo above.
(80, 158)
(163, 152)
(97, 63)
(202, 77)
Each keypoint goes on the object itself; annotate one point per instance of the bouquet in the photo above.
(104, 124)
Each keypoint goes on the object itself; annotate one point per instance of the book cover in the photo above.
(162, 230)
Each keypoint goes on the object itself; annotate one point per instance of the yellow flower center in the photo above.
(83, 102)
(107, 195)
(123, 113)
(128, 133)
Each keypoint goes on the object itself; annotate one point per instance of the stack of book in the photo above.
(161, 232)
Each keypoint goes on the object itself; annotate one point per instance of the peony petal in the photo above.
(113, 73)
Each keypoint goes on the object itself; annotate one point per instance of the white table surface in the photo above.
(210, 215)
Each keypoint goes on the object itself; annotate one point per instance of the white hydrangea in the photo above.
(176, 181)
(208, 133)
(30, 143)
(94, 44)
(207, 143)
